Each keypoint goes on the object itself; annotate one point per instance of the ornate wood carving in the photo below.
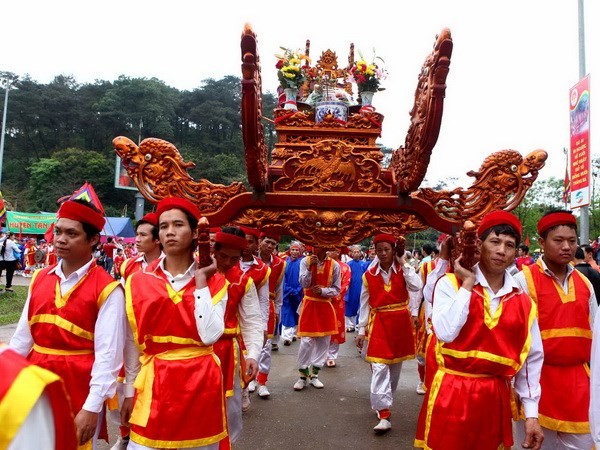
(326, 184)
(409, 162)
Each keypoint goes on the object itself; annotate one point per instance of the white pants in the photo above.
(351, 322)
(264, 360)
(334, 349)
(234, 408)
(555, 440)
(288, 333)
(384, 381)
(313, 351)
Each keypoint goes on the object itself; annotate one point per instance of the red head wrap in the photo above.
(296, 244)
(384, 237)
(81, 213)
(554, 219)
(251, 231)
(499, 218)
(231, 240)
(271, 235)
(183, 204)
(151, 218)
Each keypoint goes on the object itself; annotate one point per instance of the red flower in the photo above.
(279, 64)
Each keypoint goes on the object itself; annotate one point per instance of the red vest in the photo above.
(275, 279)
(564, 321)
(339, 304)
(317, 316)
(468, 404)
(176, 364)
(389, 331)
(63, 327)
(228, 353)
(131, 265)
(21, 385)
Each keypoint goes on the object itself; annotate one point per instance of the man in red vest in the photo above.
(320, 276)
(244, 325)
(39, 415)
(566, 304)
(176, 312)
(73, 322)
(268, 243)
(487, 334)
(385, 322)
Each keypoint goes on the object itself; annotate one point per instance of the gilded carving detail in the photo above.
(331, 166)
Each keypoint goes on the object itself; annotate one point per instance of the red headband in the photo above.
(151, 218)
(183, 204)
(499, 218)
(383, 237)
(251, 231)
(81, 213)
(231, 240)
(554, 219)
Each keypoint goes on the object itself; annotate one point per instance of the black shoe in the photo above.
(287, 343)
(274, 347)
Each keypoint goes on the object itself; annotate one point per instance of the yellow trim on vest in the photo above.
(20, 398)
(435, 390)
(61, 300)
(232, 331)
(465, 374)
(131, 315)
(566, 332)
(33, 278)
(564, 297)
(481, 355)
(527, 346)
(281, 274)
(249, 283)
(175, 296)
(153, 443)
(265, 279)
(62, 323)
(490, 320)
(174, 340)
(564, 426)
(106, 292)
(370, 359)
(55, 351)
(145, 378)
(364, 280)
(219, 295)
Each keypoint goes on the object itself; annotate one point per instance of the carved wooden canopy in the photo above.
(325, 184)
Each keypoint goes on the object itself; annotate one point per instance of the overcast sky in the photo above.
(513, 63)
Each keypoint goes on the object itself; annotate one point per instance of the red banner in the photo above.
(579, 112)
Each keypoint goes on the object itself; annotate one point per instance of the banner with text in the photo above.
(579, 113)
(27, 223)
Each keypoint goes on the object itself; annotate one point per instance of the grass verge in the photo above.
(11, 304)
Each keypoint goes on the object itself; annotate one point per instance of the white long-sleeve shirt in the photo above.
(413, 285)
(595, 383)
(305, 278)
(278, 288)
(263, 292)
(450, 313)
(109, 338)
(251, 323)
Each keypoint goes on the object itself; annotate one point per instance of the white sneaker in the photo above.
(245, 400)
(252, 386)
(421, 388)
(316, 383)
(121, 444)
(383, 426)
(263, 391)
(300, 384)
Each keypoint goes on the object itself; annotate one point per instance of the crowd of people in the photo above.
(171, 350)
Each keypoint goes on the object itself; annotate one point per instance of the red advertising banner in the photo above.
(579, 113)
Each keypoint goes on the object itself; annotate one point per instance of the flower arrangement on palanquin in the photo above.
(324, 183)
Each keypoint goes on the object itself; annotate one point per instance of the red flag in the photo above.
(566, 187)
(49, 234)
(527, 241)
(85, 192)
(2, 209)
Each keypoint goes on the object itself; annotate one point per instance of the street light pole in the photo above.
(584, 220)
(7, 87)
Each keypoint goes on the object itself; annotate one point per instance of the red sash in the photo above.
(567, 340)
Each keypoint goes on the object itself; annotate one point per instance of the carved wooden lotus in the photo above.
(326, 184)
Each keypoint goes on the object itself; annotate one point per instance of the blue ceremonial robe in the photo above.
(292, 293)
(357, 269)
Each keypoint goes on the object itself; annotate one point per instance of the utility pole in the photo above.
(6, 82)
(584, 218)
